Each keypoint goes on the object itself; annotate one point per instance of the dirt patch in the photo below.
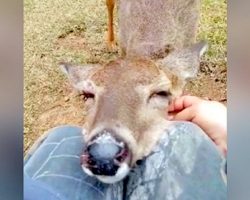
(69, 109)
(77, 42)
(71, 42)
(210, 83)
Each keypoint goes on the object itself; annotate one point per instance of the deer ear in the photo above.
(78, 74)
(185, 62)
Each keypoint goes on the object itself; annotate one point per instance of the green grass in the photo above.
(46, 25)
(213, 28)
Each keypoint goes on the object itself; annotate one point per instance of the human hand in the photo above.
(211, 116)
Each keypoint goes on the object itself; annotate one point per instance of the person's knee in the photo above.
(184, 136)
(65, 139)
(186, 128)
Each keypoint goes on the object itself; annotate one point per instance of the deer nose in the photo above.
(103, 151)
(104, 155)
(102, 158)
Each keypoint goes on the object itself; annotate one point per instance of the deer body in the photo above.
(147, 27)
(127, 99)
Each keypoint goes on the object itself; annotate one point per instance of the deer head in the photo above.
(127, 101)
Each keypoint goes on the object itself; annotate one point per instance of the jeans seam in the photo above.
(70, 177)
(45, 162)
(65, 155)
(57, 175)
(63, 139)
(50, 155)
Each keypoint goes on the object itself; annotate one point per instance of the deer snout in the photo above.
(102, 158)
(106, 157)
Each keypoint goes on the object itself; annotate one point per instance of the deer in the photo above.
(127, 98)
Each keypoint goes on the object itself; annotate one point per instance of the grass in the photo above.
(213, 28)
(74, 31)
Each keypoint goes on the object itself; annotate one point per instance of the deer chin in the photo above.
(121, 173)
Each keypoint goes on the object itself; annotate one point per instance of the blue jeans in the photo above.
(184, 165)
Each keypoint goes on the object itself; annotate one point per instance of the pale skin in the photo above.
(211, 116)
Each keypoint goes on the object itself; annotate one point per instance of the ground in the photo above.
(75, 31)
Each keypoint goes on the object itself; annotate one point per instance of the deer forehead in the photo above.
(129, 74)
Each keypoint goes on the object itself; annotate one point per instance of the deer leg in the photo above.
(110, 5)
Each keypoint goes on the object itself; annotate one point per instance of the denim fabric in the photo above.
(185, 164)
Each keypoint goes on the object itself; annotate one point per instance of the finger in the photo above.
(176, 105)
(171, 106)
(187, 114)
(182, 103)
(189, 101)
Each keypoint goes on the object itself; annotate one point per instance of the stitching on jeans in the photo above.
(71, 137)
(57, 175)
(55, 148)
(48, 143)
(71, 178)
(45, 162)
(65, 155)
(63, 139)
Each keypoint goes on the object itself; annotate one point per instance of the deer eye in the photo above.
(159, 99)
(87, 95)
(162, 94)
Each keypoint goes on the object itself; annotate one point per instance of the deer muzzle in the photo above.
(107, 157)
